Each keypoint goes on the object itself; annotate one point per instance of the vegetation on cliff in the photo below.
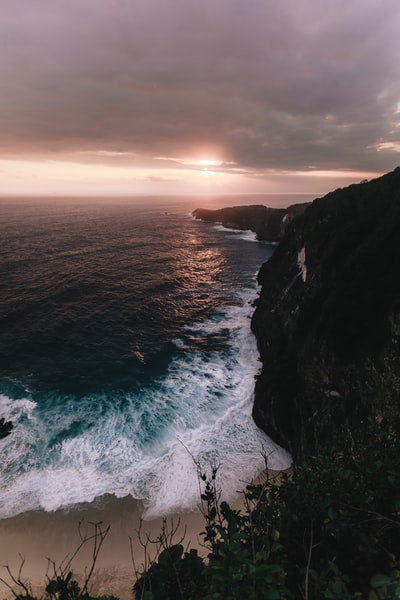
(332, 531)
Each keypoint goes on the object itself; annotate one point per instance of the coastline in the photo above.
(39, 535)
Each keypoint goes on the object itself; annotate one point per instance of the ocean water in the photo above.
(126, 356)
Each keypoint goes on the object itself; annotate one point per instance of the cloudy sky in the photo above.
(197, 96)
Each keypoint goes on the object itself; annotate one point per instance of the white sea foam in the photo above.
(228, 437)
(149, 446)
(16, 409)
(241, 234)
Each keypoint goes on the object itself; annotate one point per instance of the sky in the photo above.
(189, 96)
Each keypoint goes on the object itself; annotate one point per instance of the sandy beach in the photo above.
(37, 536)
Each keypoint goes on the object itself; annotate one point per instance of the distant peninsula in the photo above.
(267, 223)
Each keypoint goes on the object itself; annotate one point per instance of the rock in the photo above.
(327, 321)
(5, 428)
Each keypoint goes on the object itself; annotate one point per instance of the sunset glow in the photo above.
(50, 177)
(128, 105)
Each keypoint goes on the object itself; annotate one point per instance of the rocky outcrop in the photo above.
(328, 320)
(5, 428)
(268, 223)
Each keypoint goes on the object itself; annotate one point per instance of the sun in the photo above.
(206, 166)
(207, 173)
(209, 163)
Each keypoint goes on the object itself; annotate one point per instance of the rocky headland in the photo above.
(327, 321)
(267, 223)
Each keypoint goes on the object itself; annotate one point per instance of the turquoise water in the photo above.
(126, 356)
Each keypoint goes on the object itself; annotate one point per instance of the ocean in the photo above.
(126, 357)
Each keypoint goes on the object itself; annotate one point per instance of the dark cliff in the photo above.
(328, 320)
(268, 223)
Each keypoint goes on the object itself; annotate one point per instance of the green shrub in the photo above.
(331, 531)
(176, 575)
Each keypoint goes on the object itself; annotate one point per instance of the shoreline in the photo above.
(39, 535)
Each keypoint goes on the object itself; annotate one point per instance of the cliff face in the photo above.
(328, 320)
(268, 223)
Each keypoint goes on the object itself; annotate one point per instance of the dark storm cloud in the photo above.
(264, 84)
